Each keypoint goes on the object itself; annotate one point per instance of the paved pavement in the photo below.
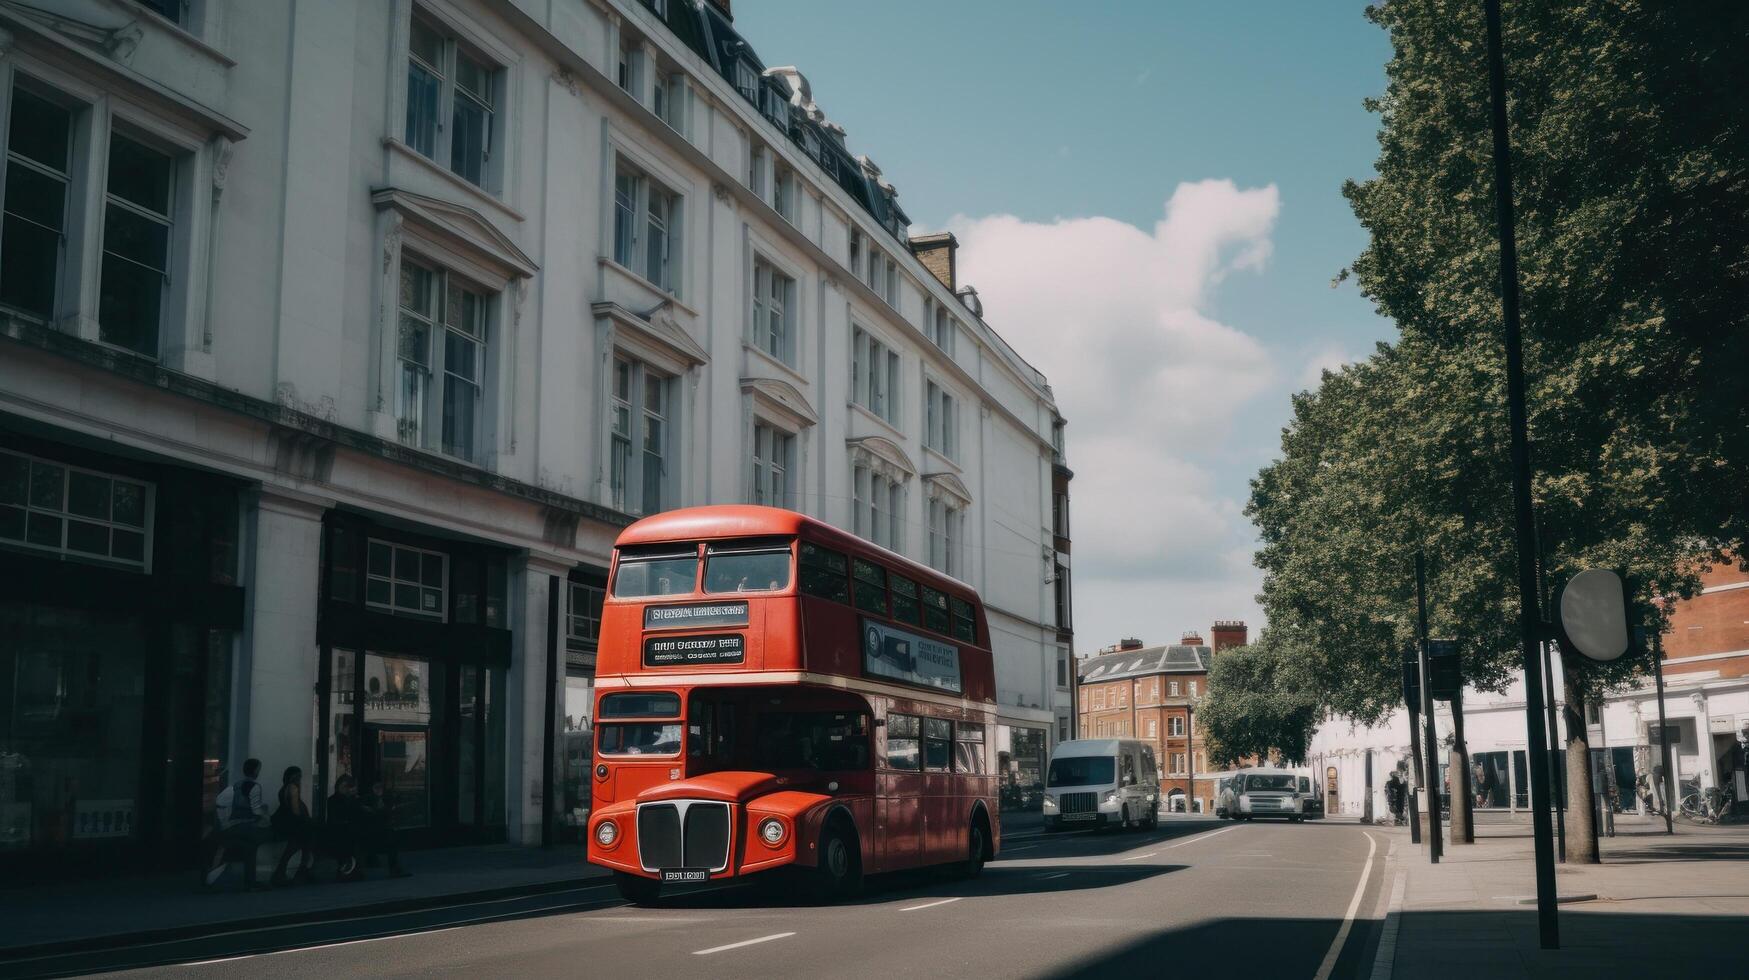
(1185, 897)
(1657, 906)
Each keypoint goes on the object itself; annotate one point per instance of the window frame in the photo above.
(393, 579)
(64, 514)
(68, 178)
(635, 409)
(876, 371)
(778, 461)
(767, 298)
(453, 47)
(630, 224)
(428, 434)
(591, 611)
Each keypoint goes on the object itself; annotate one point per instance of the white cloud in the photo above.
(1326, 358)
(1116, 316)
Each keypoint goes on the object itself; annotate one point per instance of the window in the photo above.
(136, 245)
(902, 747)
(39, 154)
(772, 328)
(856, 247)
(874, 370)
(943, 330)
(937, 744)
(452, 103)
(406, 580)
(1153, 728)
(783, 192)
(1172, 688)
(747, 81)
(626, 65)
(945, 524)
(1193, 689)
(583, 613)
(935, 615)
(1099, 697)
(890, 283)
(965, 620)
(670, 570)
(1178, 762)
(670, 100)
(824, 573)
(1175, 726)
(877, 507)
(746, 566)
(869, 582)
(1060, 513)
(773, 461)
(646, 223)
(443, 333)
(639, 438)
(1062, 597)
(905, 605)
(941, 414)
(80, 513)
(1062, 672)
(756, 170)
(968, 749)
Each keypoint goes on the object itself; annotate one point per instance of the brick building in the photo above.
(1136, 691)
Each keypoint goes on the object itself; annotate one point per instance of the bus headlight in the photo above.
(771, 831)
(606, 833)
(1050, 803)
(1111, 798)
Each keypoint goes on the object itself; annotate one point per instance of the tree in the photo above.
(1258, 702)
(1631, 161)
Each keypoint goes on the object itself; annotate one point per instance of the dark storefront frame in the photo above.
(470, 640)
(189, 612)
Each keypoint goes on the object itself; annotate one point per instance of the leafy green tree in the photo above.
(1258, 703)
(1631, 162)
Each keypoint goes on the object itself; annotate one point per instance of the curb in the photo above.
(170, 934)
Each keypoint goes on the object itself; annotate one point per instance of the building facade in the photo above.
(338, 341)
(1148, 693)
(1706, 680)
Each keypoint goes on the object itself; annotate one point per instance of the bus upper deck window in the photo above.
(747, 567)
(671, 571)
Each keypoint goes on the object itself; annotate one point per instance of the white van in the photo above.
(1095, 782)
(1263, 792)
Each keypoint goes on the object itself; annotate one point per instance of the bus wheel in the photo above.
(976, 839)
(838, 873)
(635, 889)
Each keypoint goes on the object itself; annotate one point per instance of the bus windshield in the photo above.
(671, 571)
(1082, 771)
(1269, 783)
(762, 567)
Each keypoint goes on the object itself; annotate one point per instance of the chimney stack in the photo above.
(1129, 643)
(1191, 638)
(1229, 633)
(938, 254)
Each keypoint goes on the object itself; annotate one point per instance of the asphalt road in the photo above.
(1197, 895)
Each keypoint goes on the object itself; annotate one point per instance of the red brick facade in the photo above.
(1712, 623)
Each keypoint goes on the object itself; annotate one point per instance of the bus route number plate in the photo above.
(685, 875)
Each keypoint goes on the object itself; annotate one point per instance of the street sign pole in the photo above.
(1555, 792)
(1529, 619)
(1412, 697)
(1432, 735)
(1663, 731)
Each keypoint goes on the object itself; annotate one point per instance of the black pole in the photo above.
(1461, 800)
(1190, 754)
(1557, 791)
(549, 781)
(1434, 845)
(1420, 780)
(1529, 618)
(1366, 808)
(1663, 730)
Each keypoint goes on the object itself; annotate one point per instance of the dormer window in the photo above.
(747, 81)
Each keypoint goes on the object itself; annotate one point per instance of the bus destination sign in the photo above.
(695, 615)
(687, 651)
(905, 656)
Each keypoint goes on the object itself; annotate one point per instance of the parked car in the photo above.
(1102, 782)
(1314, 801)
(1263, 792)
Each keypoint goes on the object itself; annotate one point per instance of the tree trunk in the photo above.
(1581, 802)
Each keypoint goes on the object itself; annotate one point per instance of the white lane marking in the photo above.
(1023, 847)
(1192, 840)
(1329, 963)
(927, 905)
(1060, 874)
(744, 942)
(1138, 857)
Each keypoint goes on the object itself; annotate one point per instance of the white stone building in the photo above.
(338, 340)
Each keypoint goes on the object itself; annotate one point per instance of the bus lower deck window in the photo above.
(902, 743)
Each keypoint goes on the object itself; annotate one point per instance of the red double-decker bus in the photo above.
(773, 693)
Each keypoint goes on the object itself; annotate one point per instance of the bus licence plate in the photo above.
(685, 874)
(1078, 816)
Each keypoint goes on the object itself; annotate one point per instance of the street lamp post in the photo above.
(1434, 848)
(1529, 616)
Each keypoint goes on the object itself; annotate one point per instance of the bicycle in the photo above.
(1707, 807)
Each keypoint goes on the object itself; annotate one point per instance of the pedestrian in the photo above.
(360, 830)
(1643, 785)
(242, 825)
(293, 825)
(1394, 797)
(379, 838)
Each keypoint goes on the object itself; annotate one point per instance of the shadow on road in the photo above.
(1056, 879)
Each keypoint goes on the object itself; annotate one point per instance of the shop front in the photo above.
(586, 588)
(411, 699)
(117, 645)
(1021, 754)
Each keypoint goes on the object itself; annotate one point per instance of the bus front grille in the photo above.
(683, 834)
(1079, 802)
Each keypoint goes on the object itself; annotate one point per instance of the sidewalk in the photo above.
(123, 911)
(1656, 906)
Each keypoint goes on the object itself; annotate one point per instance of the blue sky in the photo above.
(1148, 199)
